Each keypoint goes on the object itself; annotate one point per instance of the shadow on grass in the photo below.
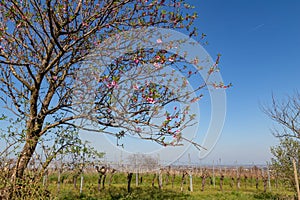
(146, 193)
(115, 193)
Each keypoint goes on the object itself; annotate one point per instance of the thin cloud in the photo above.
(257, 27)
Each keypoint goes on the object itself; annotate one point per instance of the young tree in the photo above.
(45, 48)
(283, 154)
(287, 114)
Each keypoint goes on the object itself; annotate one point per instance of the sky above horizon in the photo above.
(260, 46)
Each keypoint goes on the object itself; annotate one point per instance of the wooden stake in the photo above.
(296, 178)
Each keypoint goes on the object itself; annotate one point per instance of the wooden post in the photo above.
(220, 168)
(81, 182)
(269, 179)
(191, 181)
(136, 171)
(58, 181)
(296, 178)
(213, 178)
(190, 174)
(136, 179)
(160, 179)
(203, 176)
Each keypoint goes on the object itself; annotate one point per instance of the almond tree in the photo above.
(44, 46)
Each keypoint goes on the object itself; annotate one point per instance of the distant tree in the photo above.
(287, 114)
(142, 163)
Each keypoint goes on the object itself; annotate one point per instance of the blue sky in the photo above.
(260, 46)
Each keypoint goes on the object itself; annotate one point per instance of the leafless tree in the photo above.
(287, 114)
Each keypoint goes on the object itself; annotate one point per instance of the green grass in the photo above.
(118, 190)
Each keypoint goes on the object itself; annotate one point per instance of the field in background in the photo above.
(173, 184)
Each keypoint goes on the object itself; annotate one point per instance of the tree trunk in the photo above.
(265, 180)
(173, 179)
(246, 181)
(160, 180)
(203, 182)
(256, 183)
(75, 181)
(103, 181)
(167, 178)
(99, 182)
(232, 182)
(58, 181)
(129, 177)
(221, 182)
(182, 181)
(153, 180)
(238, 182)
(25, 156)
(111, 177)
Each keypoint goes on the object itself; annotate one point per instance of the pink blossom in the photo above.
(135, 87)
(159, 41)
(138, 129)
(84, 24)
(171, 59)
(157, 65)
(96, 43)
(113, 84)
(195, 99)
(54, 78)
(195, 61)
(169, 118)
(136, 61)
(150, 100)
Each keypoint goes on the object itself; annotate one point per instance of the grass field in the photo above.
(118, 189)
